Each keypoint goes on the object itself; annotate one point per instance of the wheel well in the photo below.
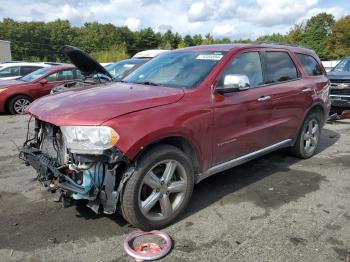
(319, 110)
(11, 97)
(180, 143)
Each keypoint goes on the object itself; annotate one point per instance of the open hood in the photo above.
(85, 63)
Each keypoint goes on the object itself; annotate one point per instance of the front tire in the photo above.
(18, 104)
(308, 138)
(160, 188)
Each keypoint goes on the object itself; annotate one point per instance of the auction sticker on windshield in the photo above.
(209, 57)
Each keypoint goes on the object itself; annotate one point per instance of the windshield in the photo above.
(121, 69)
(343, 66)
(35, 75)
(176, 69)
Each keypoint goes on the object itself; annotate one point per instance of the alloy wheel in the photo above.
(163, 190)
(20, 105)
(311, 136)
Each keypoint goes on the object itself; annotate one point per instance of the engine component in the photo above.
(91, 180)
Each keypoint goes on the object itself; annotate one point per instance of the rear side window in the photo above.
(25, 70)
(279, 67)
(310, 65)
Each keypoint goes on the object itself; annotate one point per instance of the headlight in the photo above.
(89, 139)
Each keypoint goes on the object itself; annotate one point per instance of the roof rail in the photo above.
(281, 43)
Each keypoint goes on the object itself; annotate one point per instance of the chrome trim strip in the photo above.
(242, 159)
(339, 95)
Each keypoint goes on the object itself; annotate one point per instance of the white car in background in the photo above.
(150, 53)
(10, 71)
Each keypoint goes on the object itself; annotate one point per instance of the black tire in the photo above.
(131, 201)
(13, 107)
(300, 147)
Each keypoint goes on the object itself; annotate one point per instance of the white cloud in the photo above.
(225, 30)
(133, 23)
(199, 11)
(336, 11)
(272, 12)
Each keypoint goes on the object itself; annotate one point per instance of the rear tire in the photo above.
(18, 104)
(159, 189)
(308, 138)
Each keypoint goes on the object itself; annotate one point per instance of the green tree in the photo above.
(224, 40)
(169, 40)
(147, 39)
(296, 33)
(338, 44)
(208, 40)
(316, 33)
(274, 38)
(197, 39)
(182, 44)
(188, 40)
(113, 54)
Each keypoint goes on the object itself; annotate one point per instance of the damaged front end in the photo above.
(97, 177)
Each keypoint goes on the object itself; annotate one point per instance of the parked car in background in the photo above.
(329, 65)
(150, 53)
(92, 72)
(50, 63)
(15, 70)
(95, 74)
(123, 68)
(16, 95)
(339, 77)
(140, 145)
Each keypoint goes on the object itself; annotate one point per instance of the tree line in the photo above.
(40, 41)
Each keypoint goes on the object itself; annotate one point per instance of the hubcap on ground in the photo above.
(311, 134)
(21, 105)
(163, 190)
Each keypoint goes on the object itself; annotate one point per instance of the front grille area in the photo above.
(340, 81)
(340, 91)
(53, 143)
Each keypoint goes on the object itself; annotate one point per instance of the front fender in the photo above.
(140, 129)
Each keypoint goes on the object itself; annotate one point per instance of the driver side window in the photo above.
(248, 64)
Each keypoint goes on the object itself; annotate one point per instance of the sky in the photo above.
(234, 19)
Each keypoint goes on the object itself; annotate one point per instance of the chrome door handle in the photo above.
(306, 90)
(264, 98)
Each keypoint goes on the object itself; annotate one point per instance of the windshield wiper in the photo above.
(149, 83)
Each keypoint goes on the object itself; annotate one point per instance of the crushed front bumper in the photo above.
(48, 169)
(59, 178)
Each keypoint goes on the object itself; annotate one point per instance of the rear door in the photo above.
(241, 119)
(291, 94)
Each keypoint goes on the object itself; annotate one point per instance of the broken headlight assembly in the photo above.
(89, 139)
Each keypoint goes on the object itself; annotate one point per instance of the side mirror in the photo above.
(43, 81)
(233, 83)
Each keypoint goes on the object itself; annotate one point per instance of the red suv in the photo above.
(140, 146)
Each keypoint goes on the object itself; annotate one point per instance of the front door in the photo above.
(242, 118)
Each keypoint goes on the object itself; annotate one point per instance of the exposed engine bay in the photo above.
(97, 178)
